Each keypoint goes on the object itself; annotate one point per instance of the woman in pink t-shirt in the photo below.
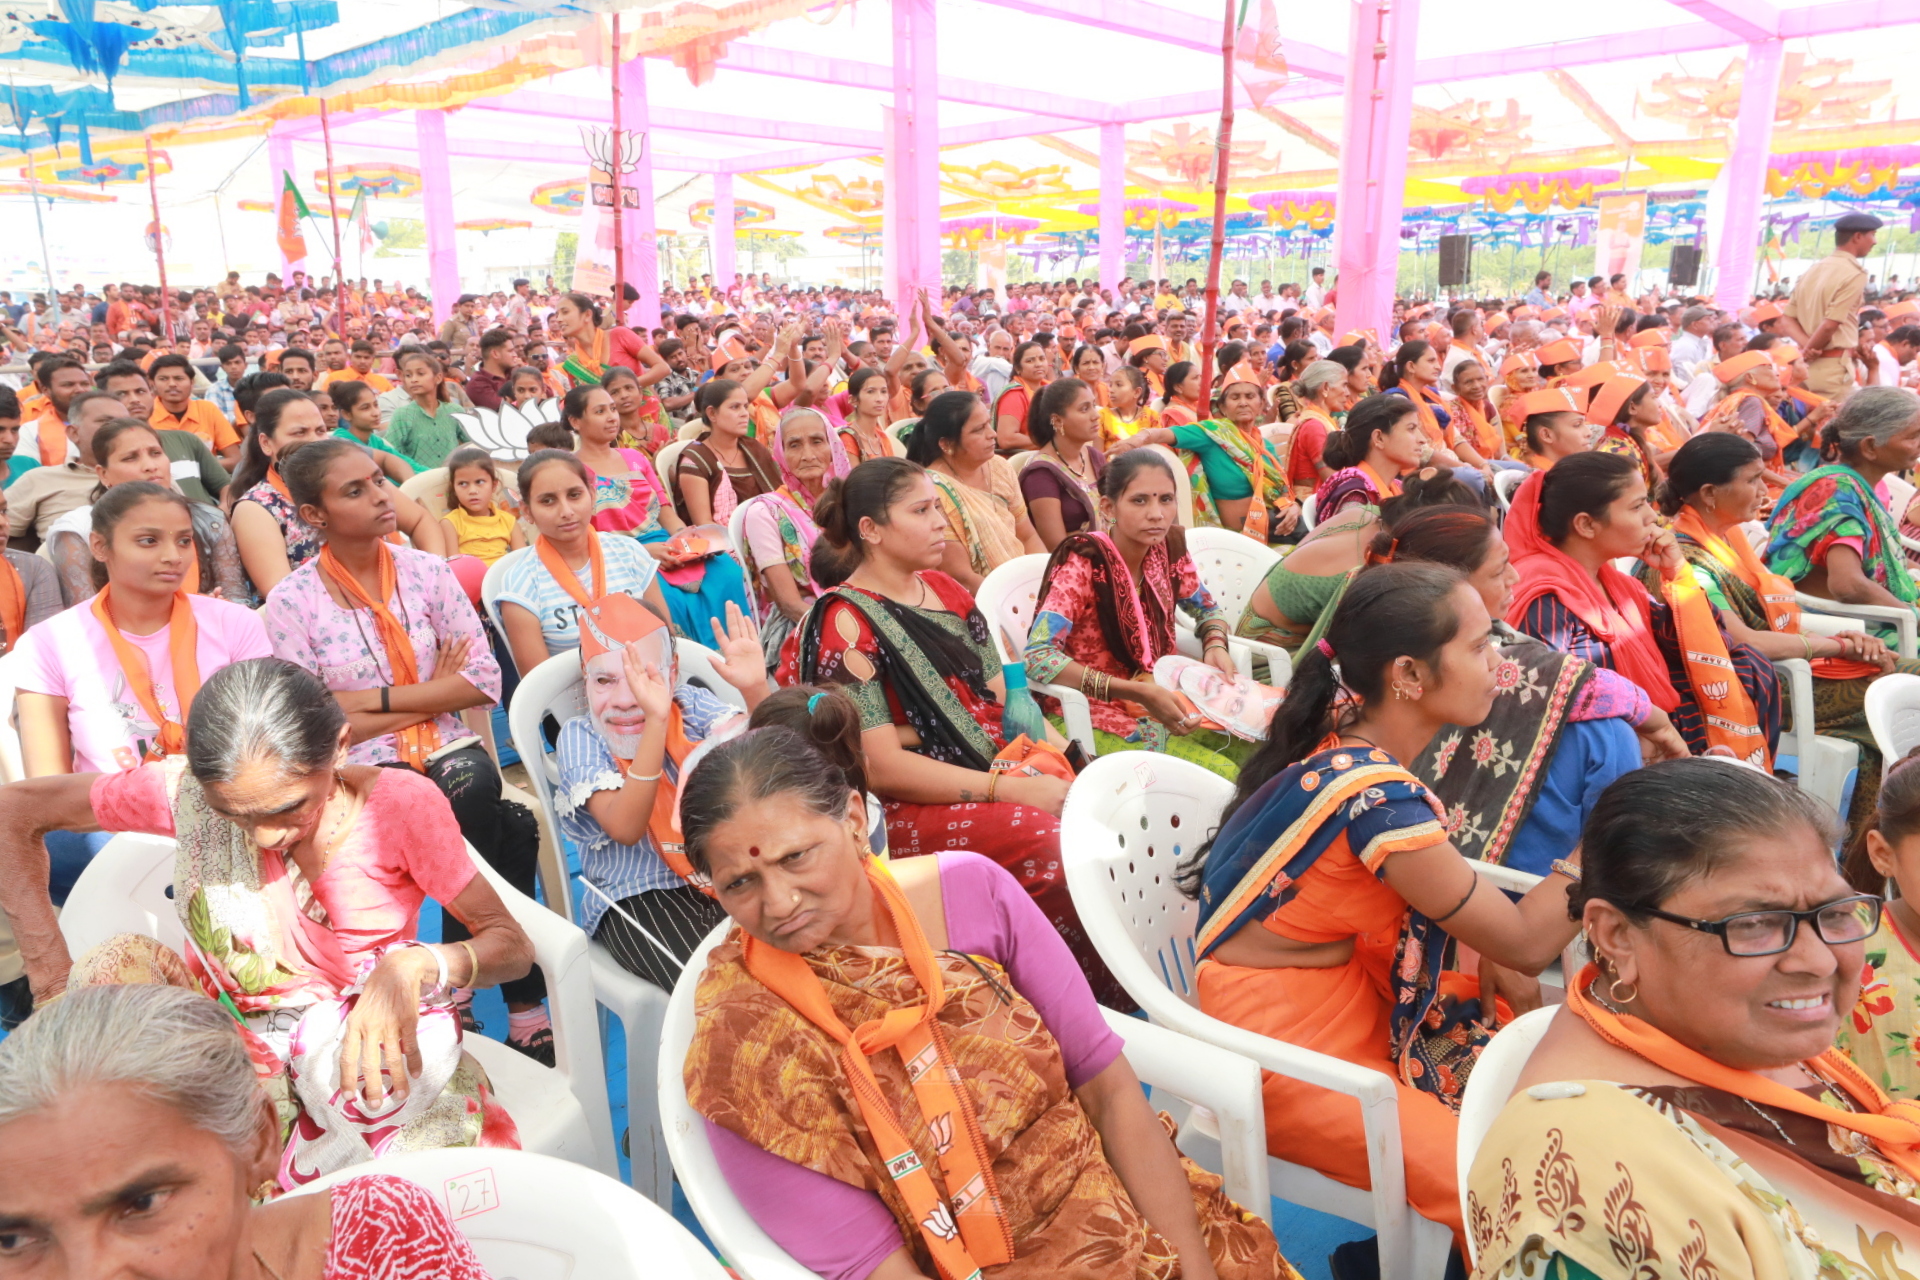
(298, 882)
(106, 685)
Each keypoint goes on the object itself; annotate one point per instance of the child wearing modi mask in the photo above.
(620, 769)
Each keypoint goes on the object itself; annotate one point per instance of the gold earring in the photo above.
(1613, 992)
(265, 1191)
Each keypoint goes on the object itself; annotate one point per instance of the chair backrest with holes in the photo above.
(1133, 817)
(1182, 483)
(1232, 566)
(536, 1217)
(1893, 715)
(554, 688)
(1006, 599)
(429, 489)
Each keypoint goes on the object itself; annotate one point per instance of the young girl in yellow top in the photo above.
(476, 518)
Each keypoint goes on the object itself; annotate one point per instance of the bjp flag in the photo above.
(293, 245)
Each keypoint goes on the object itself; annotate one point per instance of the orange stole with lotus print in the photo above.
(761, 1070)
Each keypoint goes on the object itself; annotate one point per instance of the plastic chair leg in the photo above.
(642, 1010)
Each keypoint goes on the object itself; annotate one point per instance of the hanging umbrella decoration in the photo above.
(397, 180)
(970, 233)
(157, 231)
(101, 171)
(568, 195)
(485, 225)
(746, 213)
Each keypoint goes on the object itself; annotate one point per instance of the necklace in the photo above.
(1072, 470)
(324, 847)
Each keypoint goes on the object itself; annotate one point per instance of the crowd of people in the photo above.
(1536, 564)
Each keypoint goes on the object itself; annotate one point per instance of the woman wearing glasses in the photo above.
(1686, 1113)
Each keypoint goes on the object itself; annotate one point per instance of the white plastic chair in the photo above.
(12, 766)
(1900, 617)
(737, 536)
(1504, 484)
(1488, 1089)
(1006, 599)
(561, 1111)
(1182, 483)
(666, 463)
(1899, 497)
(555, 688)
(1129, 821)
(532, 1217)
(690, 430)
(494, 581)
(1893, 716)
(1225, 1084)
(1822, 766)
(1233, 566)
(429, 489)
(1310, 512)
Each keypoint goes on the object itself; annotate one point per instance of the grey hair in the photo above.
(1524, 330)
(1319, 374)
(173, 1045)
(262, 709)
(1871, 413)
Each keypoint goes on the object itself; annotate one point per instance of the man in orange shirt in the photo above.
(177, 410)
(361, 363)
(59, 380)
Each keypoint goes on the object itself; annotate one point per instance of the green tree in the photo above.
(402, 233)
(566, 247)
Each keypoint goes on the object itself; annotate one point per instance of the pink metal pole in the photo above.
(619, 240)
(916, 119)
(280, 163)
(637, 226)
(333, 194)
(1113, 207)
(722, 231)
(1736, 243)
(892, 191)
(436, 194)
(1373, 155)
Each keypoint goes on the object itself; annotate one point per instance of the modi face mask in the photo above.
(607, 627)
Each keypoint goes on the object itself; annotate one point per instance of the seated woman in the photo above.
(1553, 425)
(1832, 535)
(1690, 1083)
(643, 423)
(357, 409)
(1320, 398)
(391, 632)
(1239, 478)
(1300, 589)
(1748, 384)
(1716, 483)
(163, 1077)
(1180, 406)
(986, 517)
(1565, 529)
(621, 766)
(1104, 615)
(1013, 407)
(106, 685)
(127, 449)
(272, 824)
(1562, 727)
(908, 645)
(1881, 1031)
(864, 434)
(779, 527)
(1073, 1173)
(1060, 481)
(273, 539)
(1378, 443)
(723, 468)
(1414, 373)
(1325, 893)
(1625, 410)
(572, 565)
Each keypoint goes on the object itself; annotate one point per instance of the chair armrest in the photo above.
(1799, 674)
(1075, 711)
(1505, 877)
(1224, 1083)
(1902, 618)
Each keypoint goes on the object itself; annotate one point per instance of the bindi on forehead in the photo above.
(753, 851)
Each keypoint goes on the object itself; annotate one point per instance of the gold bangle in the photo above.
(1806, 642)
(993, 783)
(473, 962)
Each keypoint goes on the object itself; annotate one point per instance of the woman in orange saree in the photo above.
(1325, 894)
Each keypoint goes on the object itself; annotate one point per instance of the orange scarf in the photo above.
(53, 439)
(1385, 488)
(183, 640)
(13, 604)
(279, 485)
(1776, 592)
(564, 574)
(971, 1231)
(1892, 1126)
(1731, 720)
(417, 741)
(1728, 409)
(1486, 436)
(1429, 422)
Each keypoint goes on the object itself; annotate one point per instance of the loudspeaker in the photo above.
(1456, 259)
(1685, 267)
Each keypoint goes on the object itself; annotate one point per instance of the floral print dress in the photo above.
(1879, 1034)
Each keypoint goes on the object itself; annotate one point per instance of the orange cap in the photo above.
(1648, 338)
(1554, 313)
(1745, 362)
(1784, 353)
(1656, 360)
(1764, 312)
(1900, 310)
(732, 346)
(614, 620)
(1560, 352)
(1552, 400)
(1591, 376)
(1524, 312)
(1517, 361)
(1609, 396)
(1146, 342)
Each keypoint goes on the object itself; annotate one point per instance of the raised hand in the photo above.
(741, 662)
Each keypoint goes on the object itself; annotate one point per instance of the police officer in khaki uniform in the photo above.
(1823, 314)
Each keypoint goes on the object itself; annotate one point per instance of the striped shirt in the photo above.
(587, 766)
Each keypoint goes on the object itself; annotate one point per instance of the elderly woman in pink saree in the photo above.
(779, 532)
(298, 881)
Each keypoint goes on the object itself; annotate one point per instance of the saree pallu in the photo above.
(1352, 486)
(695, 603)
(1266, 472)
(795, 528)
(1832, 502)
(1303, 856)
(982, 520)
(259, 942)
(759, 1069)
